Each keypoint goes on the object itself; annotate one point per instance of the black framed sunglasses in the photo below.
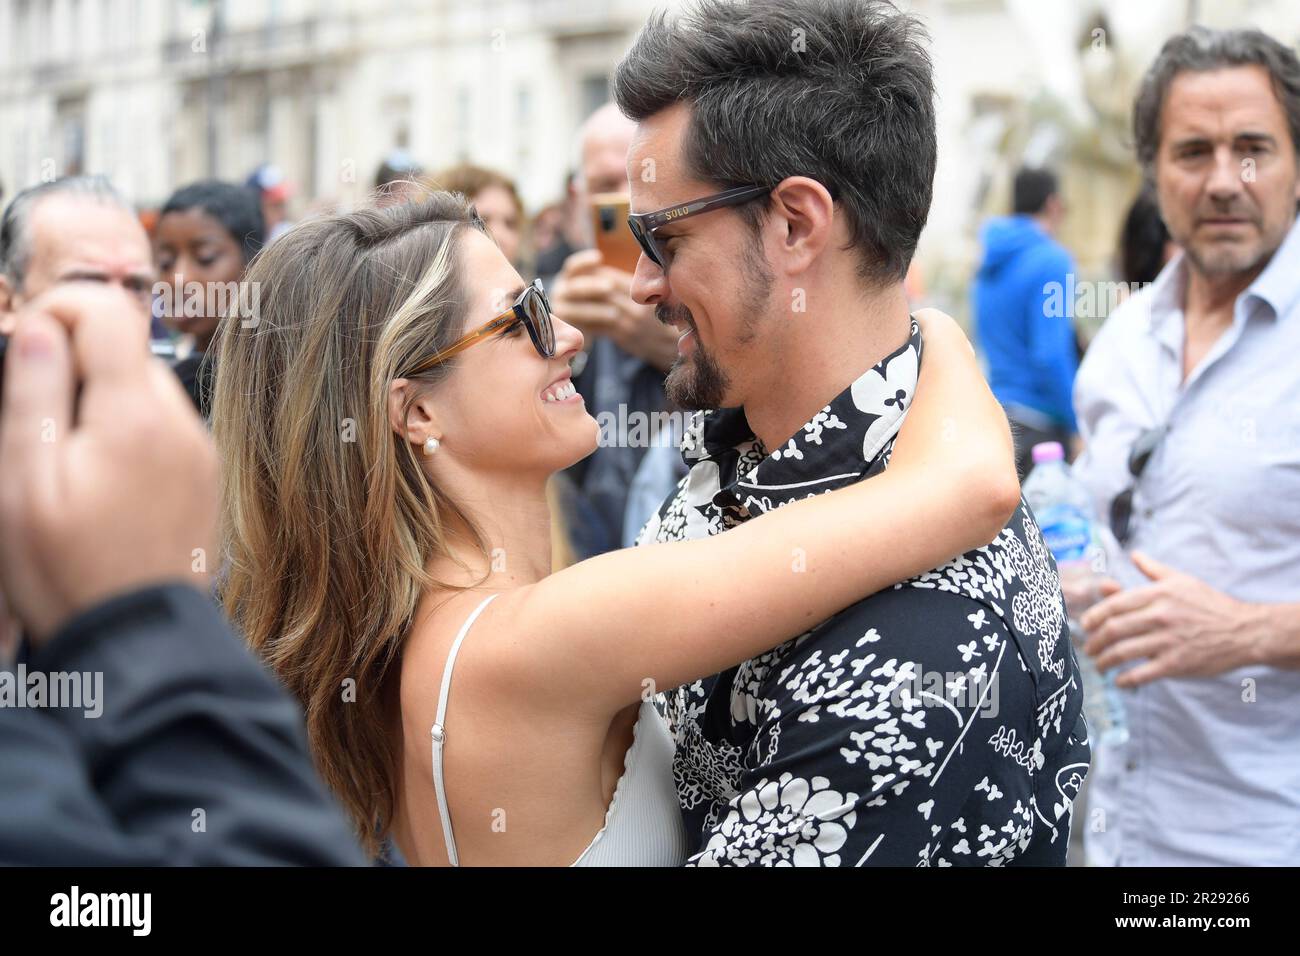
(644, 224)
(1121, 508)
(532, 309)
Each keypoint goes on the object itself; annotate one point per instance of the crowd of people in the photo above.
(366, 580)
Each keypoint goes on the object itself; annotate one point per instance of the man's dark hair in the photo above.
(840, 91)
(1031, 189)
(236, 207)
(1200, 49)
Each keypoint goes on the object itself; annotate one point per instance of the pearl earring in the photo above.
(431, 445)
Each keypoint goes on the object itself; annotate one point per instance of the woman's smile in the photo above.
(562, 392)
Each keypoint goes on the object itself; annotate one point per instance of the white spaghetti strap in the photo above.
(439, 733)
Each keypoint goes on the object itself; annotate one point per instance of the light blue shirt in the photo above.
(655, 479)
(1211, 772)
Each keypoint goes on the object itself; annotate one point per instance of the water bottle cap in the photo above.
(1048, 451)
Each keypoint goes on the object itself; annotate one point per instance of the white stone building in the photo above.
(157, 93)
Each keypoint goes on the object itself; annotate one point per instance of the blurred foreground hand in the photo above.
(108, 480)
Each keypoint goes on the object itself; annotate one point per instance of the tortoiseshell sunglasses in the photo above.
(532, 309)
(644, 224)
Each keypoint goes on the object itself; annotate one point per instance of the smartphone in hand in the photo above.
(618, 247)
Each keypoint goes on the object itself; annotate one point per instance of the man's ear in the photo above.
(808, 212)
(411, 412)
(8, 319)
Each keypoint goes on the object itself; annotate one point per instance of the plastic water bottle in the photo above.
(1063, 509)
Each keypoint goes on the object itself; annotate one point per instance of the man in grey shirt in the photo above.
(1189, 405)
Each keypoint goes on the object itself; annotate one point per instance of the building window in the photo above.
(595, 93)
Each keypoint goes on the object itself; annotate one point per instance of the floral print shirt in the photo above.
(936, 723)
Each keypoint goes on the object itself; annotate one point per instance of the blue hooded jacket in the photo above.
(1021, 290)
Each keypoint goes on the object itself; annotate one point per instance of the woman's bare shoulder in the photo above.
(496, 661)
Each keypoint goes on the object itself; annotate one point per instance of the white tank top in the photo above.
(643, 824)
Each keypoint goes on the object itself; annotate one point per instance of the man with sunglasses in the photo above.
(1189, 405)
(936, 723)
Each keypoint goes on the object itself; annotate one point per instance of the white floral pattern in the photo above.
(785, 822)
(830, 749)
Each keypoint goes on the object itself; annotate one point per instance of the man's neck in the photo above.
(824, 354)
(1208, 309)
(1210, 299)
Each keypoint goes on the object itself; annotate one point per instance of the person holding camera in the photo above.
(108, 502)
(620, 486)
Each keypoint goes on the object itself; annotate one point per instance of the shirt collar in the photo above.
(1278, 285)
(836, 447)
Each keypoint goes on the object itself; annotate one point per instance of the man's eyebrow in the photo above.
(1199, 139)
(90, 274)
(81, 273)
(1193, 140)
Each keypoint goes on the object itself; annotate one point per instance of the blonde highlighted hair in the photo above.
(328, 521)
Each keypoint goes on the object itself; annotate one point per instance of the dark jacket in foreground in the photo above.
(198, 756)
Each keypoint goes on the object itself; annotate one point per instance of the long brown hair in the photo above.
(328, 522)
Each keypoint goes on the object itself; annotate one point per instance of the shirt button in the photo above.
(1130, 766)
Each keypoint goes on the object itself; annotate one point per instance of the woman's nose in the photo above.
(568, 339)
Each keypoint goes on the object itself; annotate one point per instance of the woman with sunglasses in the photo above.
(387, 430)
